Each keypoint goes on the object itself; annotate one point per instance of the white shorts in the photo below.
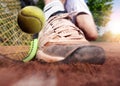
(71, 6)
(77, 6)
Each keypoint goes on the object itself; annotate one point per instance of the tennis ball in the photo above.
(31, 19)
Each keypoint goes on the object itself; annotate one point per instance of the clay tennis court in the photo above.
(35, 73)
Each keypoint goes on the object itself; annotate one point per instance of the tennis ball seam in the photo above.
(32, 17)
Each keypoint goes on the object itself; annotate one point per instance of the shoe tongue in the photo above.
(64, 28)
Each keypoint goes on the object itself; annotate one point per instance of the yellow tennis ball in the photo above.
(31, 19)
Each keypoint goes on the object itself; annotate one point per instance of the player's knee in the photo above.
(92, 36)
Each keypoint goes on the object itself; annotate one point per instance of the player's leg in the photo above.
(86, 23)
(84, 19)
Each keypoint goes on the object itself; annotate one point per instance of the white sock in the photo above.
(77, 6)
(53, 7)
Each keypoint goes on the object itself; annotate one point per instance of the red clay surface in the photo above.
(35, 73)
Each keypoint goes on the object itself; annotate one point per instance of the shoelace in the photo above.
(58, 28)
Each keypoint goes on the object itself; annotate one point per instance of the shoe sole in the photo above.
(87, 54)
(84, 54)
(48, 58)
